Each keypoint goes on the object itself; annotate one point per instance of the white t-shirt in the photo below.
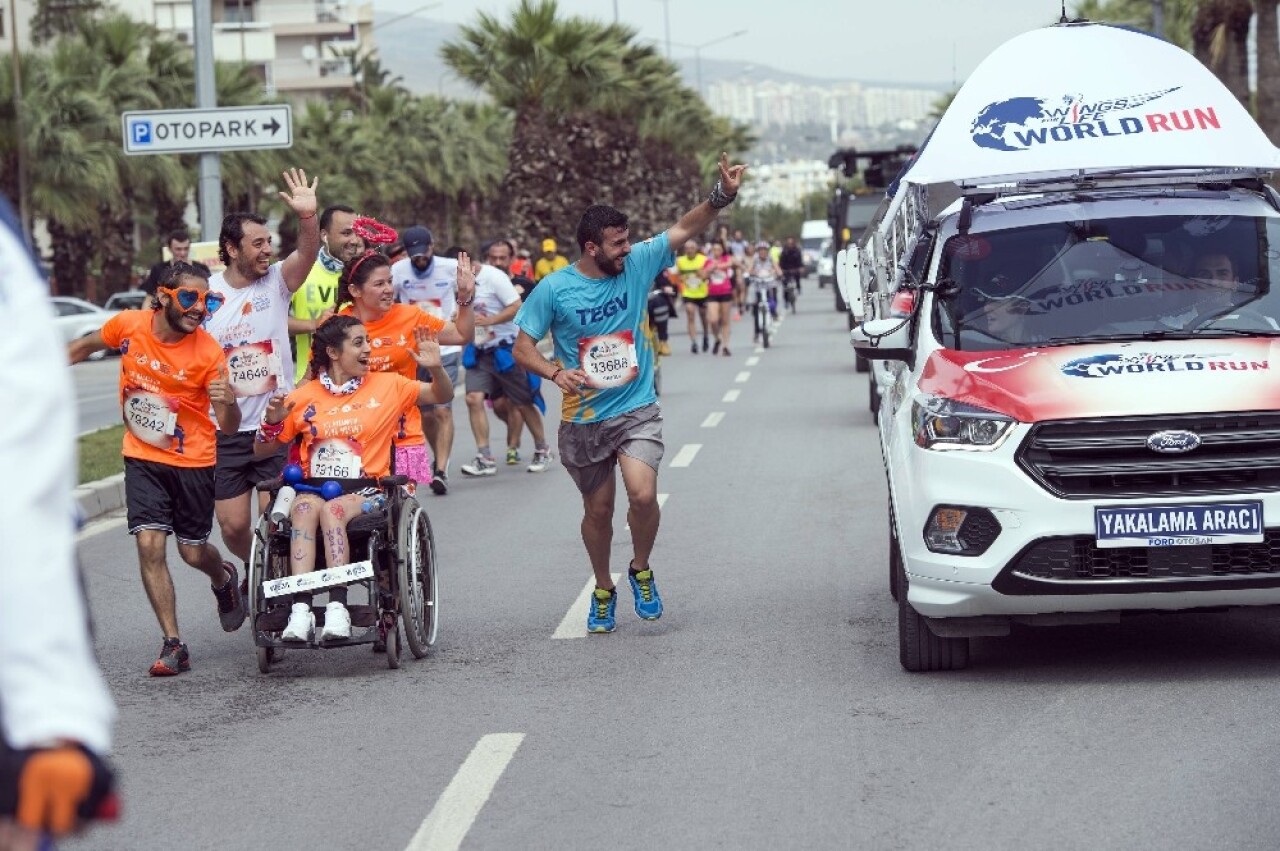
(252, 327)
(494, 292)
(435, 291)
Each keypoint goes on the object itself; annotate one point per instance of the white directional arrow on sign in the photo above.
(184, 131)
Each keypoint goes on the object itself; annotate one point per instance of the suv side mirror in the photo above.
(849, 280)
(884, 339)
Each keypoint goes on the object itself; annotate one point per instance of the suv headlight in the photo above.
(942, 423)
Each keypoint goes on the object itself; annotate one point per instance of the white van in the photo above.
(812, 234)
(1082, 413)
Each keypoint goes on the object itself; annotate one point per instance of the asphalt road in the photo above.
(766, 709)
(97, 394)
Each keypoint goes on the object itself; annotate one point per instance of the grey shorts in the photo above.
(589, 451)
(450, 364)
(485, 377)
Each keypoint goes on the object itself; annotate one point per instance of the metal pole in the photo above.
(24, 190)
(615, 11)
(210, 179)
(1157, 18)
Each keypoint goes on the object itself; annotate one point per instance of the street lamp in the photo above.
(697, 52)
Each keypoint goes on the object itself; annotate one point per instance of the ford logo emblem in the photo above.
(1173, 442)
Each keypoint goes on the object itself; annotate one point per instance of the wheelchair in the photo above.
(394, 562)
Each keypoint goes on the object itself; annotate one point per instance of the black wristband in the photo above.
(719, 198)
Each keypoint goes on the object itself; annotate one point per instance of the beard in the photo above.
(174, 316)
(612, 268)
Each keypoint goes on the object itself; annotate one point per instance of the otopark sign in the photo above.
(188, 131)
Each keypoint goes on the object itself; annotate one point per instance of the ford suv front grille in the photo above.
(1100, 458)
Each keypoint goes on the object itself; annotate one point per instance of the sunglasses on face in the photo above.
(189, 297)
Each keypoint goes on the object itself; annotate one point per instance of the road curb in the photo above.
(95, 499)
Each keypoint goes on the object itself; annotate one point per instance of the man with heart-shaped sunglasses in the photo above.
(172, 372)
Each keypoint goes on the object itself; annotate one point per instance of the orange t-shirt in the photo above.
(350, 436)
(164, 391)
(391, 341)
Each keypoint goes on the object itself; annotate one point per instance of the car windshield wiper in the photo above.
(1155, 334)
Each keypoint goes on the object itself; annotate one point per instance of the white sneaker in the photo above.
(541, 460)
(481, 466)
(302, 623)
(337, 622)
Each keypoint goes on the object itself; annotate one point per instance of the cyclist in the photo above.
(348, 418)
(765, 274)
(367, 293)
(55, 711)
(693, 290)
(791, 261)
(171, 373)
(720, 270)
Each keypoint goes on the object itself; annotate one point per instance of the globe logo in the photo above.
(991, 128)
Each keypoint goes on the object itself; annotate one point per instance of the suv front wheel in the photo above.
(918, 648)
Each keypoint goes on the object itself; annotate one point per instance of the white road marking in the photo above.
(759, 350)
(743, 377)
(449, 820)
(752, 361)
(713, 419)
(686, 455)
(574, 624)
(731, 396)
(662, 500)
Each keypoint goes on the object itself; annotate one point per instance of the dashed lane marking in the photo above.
(743, 378)
(686, 455)
(713, 419)
(574, 624)
(752, 361)
(731, 396)
(451, 818)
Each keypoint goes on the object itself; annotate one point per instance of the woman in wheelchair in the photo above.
(347, 420)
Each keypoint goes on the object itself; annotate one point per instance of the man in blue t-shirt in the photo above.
(597, 312)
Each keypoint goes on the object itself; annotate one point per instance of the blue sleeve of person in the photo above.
(649, 258)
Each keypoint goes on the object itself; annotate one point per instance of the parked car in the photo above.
(127, 300)
(77, 317)
(1079, 417)
(826, 265)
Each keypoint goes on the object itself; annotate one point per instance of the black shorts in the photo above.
(238, 470)
(720, 299)
(173, 500)
(485, 377)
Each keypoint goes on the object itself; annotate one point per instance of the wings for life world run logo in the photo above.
(1021, 123)
(1145, 363)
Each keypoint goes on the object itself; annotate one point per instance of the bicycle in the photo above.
(790, 286)
(763, 307)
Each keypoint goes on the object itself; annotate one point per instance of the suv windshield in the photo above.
(1139, 277)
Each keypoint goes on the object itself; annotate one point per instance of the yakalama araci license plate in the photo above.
(1179, 525)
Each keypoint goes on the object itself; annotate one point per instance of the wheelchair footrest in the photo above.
(276, 619)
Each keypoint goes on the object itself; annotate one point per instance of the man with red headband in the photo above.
(171, 374)
(253, 330)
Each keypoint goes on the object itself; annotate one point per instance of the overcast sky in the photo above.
(893, 40)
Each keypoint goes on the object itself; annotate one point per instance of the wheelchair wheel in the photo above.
(393, 646)
(263, 565)
(418, 580)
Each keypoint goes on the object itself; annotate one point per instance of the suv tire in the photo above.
(918, 648)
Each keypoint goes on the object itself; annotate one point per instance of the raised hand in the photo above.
(277, 411)
(220, 392)
(466, 278)
(730, 176)
(427, 354)
(301, 198)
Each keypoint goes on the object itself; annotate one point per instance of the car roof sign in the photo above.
(1076, 98)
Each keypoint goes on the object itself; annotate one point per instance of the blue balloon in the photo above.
(292, 474)
(331, 490)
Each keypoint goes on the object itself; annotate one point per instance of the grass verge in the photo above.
(100, 454)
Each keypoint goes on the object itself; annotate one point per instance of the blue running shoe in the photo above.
(600, 616)
(648, 603)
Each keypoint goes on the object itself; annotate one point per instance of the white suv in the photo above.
(1083, 418)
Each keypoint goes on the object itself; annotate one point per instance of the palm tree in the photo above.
(1267, 102)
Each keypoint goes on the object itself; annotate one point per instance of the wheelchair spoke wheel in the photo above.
(418, 581)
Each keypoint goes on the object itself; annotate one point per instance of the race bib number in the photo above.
(432, 306)
(335, 458)
(151, 418)
(609, 360)
(252, 368)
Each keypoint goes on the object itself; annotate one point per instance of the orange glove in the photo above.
(52, 786)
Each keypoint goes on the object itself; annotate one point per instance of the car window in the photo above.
(69, 308)
(1104, 277)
